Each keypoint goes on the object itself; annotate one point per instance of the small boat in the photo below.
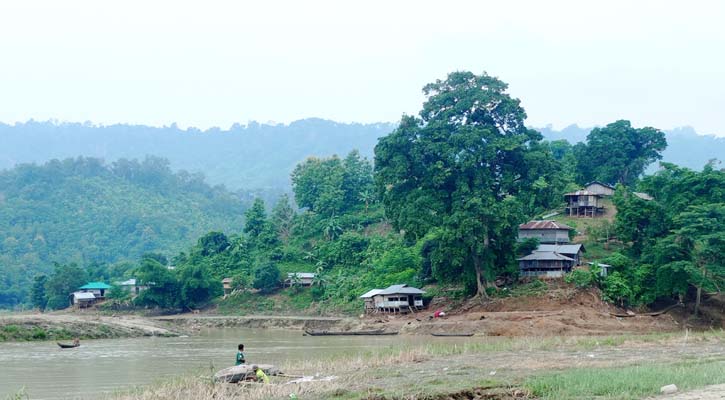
(452, 334)
(377, 332)
(68, 345)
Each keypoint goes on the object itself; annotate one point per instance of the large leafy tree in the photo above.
(463, 166)
(163, 287)
(197, 285)
(618, 153)
(65, 279)
(255, 219)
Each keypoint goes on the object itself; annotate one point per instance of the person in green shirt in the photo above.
(261, 376)
(240, 355)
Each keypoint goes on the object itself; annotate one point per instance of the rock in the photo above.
(668, 389)
(240, 372)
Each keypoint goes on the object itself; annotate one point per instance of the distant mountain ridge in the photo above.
(253, 156)
(256, 156)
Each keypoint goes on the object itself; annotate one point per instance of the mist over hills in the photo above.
(256, 156)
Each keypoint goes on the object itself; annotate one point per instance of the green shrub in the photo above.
(580, 278)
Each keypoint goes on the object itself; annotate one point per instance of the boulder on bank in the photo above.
(241, 372)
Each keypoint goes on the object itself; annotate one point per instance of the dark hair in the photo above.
(240, 347)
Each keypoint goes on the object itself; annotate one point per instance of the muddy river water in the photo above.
(44, 371)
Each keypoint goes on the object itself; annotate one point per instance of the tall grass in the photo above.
(632, 382)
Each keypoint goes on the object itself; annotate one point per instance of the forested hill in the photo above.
(82, 210)
(254, 156)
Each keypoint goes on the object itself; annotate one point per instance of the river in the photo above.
(44, 371)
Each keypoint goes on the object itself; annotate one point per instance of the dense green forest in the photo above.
(258, 156)
(441, 205)
(87, 212)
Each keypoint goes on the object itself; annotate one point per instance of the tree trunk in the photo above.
(697, 300)
(480, 284)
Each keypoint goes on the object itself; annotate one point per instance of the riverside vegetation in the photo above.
(440, 207)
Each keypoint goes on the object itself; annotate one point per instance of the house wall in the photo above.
(545, 235)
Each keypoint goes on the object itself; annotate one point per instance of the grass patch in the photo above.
(631, 382)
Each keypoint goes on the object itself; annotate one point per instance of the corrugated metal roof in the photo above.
(130, 282)
(401, 289)
(227, 280)
(393, 289)
(83, 295)
(582, 193)
(544, 224)
(545, 256)
(95, 285)
(562, 248)
(371, 293)
(301, 275)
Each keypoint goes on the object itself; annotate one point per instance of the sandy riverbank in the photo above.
(85, 325)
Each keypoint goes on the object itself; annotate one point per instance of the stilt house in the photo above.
(394, 299)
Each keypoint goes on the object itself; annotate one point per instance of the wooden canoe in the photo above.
(452, 334)
(378, 332)
(67, 346)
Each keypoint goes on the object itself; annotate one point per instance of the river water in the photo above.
(44, 371)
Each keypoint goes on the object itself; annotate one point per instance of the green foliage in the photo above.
(84, 211)
(255, 219)
(65, 279)
(616, 289)
(211, 243)
(163, 287)
(618, 153)
(38, 295)
(267, 278)
(582, 279)
(468, 167)
(331, 186)
(677, 239)
(198, 286)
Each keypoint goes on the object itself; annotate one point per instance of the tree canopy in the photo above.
(618, 153)
(465, 166)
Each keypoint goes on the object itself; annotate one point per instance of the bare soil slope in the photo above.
(561, 310)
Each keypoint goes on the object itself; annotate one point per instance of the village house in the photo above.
(600, 188)
(132, 286)
(97, 288)
(393, 299)
(546, 231)
(573, 251)
(545, 264)
(82, 299)
(299, 278)
(584, 203)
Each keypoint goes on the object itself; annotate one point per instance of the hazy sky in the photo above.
(213, 63)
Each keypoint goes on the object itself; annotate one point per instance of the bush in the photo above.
(267, 278)
(616, 290)
(580, 278)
